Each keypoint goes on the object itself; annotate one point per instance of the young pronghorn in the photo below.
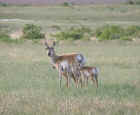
(64, 63)
(90, 72)
(77, 74)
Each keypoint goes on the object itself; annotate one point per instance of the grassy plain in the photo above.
(28, 84)
(65, 17)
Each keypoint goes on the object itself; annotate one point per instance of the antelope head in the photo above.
(51, 51)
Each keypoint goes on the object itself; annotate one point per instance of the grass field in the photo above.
(29, 85)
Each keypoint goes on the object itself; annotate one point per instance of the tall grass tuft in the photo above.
(111, 32)
(31, 31)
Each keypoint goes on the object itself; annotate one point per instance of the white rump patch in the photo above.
(81, 59)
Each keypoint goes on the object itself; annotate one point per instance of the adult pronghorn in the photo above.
(65, 63)
(90, 72)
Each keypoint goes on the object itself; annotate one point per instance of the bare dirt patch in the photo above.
(16, 35)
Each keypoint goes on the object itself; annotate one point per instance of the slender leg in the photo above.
(77, 83)
(66, 77)
(60, 78)
(81, 79)
(78, 80)
(92, 78)
(96, 80)
(69, 78)
(84, 78)
(73, 78)
(81, 82)
(78, 77)
(86, 81)
(67, 82)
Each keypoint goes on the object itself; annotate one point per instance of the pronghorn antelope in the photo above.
(65, 63)
(90, 72)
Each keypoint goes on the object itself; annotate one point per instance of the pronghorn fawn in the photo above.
(90, 73)
(64, 63)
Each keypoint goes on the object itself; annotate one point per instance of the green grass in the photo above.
(28, 84)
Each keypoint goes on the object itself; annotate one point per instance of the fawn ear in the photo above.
(54, 43)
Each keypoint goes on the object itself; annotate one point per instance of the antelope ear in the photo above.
(46, 45)
(54, 43)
